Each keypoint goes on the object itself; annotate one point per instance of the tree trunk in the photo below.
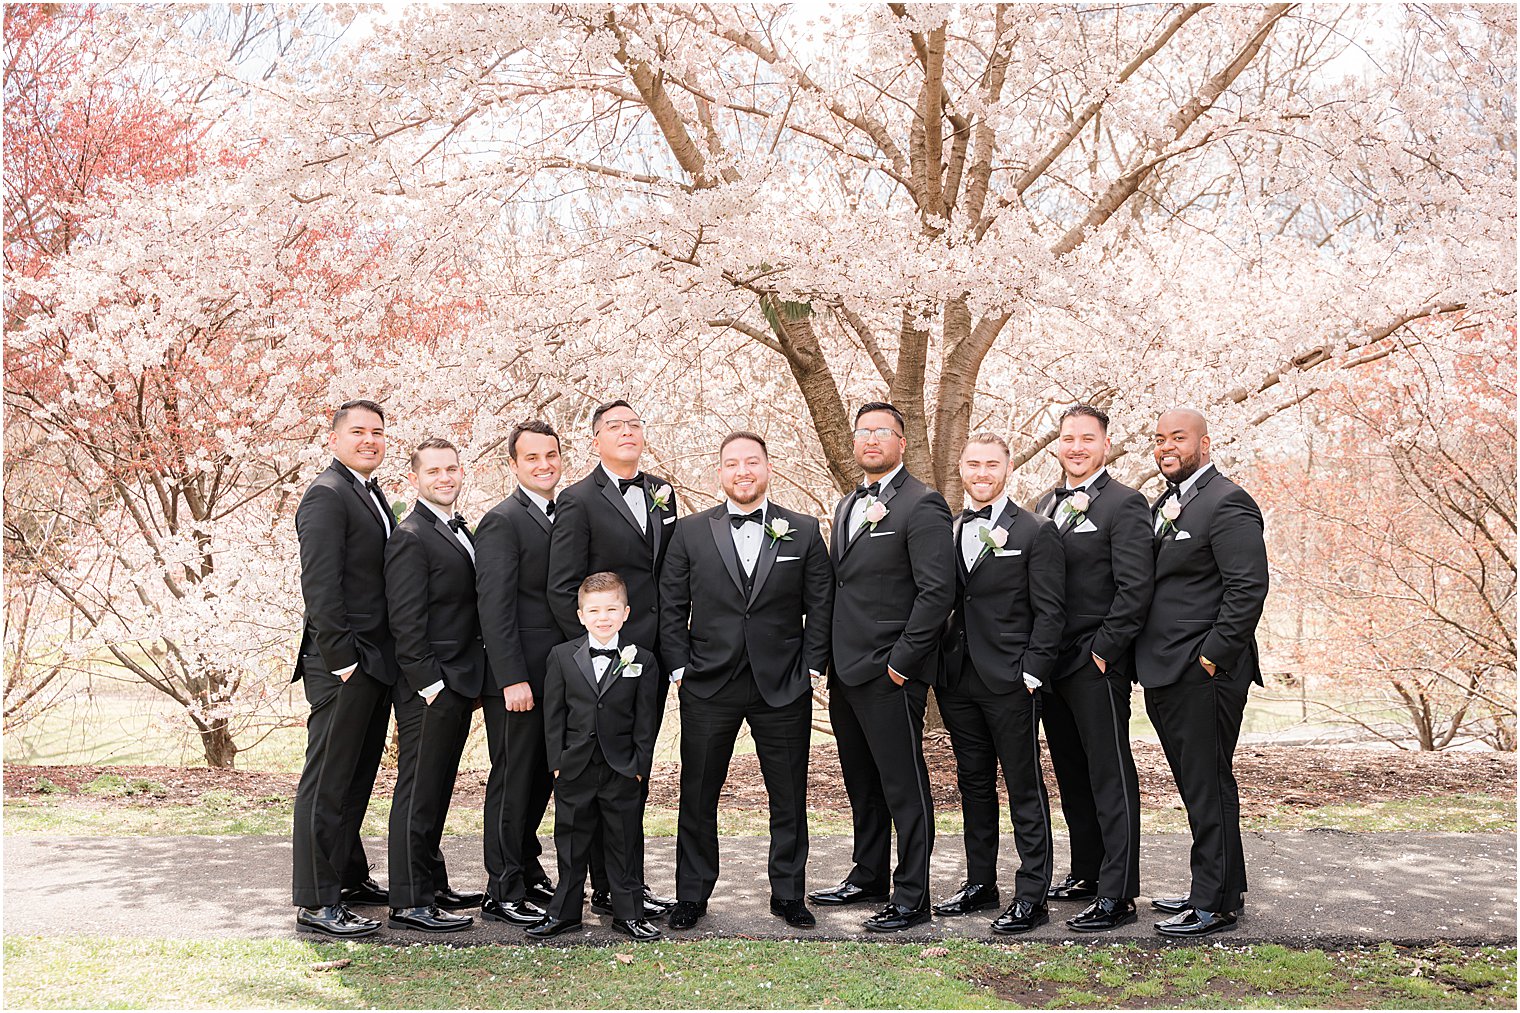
(216, 742)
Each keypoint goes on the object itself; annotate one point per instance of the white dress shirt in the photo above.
(538, 501)
(971, 540)
(634, 497)
(748, 537)
(1182, 491)
(1065, 510)
(858, 510)
(459, 536)
(599, 663)
(390, 525)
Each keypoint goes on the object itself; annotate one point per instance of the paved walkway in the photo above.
(1308, 888)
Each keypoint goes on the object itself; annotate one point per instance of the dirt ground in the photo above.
(1270, 777)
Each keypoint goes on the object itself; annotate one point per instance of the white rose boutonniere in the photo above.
(1170, 511)
(1080, 502)
(779, 530)
(993, 538)
(661, 497)
(626, 664)
(875, 511)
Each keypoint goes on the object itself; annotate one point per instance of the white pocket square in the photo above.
(1181, 535)
(1084, 527)
(668, 520)
(787, 559)
(878, 534)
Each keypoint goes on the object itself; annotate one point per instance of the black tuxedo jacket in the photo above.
(621, 713)
(594, 531)
(702, 585)
(342, 539)
(1008, 608)
(894, 586)
(1108, 576)
(512, 584)
(1211, 583)
(430, 588)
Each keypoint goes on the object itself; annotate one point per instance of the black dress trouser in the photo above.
(598, 810)
(431, 738)
(517, 795)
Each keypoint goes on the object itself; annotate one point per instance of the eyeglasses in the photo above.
(623, 426)
(884, 433)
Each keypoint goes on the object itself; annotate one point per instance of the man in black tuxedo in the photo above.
(1000, 650)
(1196, 658)
(347, 665)
(745, 598)
(430, 590)
(617, 519)
(894, 583)
(1106, 532)
(511, 579)
(601, 716)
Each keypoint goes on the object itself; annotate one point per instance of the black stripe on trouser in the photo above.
(1129, 886)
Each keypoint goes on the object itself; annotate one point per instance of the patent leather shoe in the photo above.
(795, 912)
(1021, 916)
(640, 930)
(970, 897)
(654, 907)
(367, 892)
(540, 892)
(686, 914)
(848, 893)
(514, 912)
(428, 919)
(334, 920)
(650, 900)
(453, 900)
(1103, 914)
(1195, 922)
(894, 919)
(552, 927)
(1177, 905)
(1072, 888)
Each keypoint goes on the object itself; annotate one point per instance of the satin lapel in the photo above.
(1192, 493)
(956, 527)
(610, 493)
(609, 674)
(1005, 521)
(725, 544)
(447, 533)
(583, 661)
(656, 520)
(841, 518)
(769, 548)
(364, 497)
(1093, 492)
(845, 522)
(533, 511)
(1046, 506)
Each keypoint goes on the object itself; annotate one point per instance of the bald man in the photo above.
(1196, 659)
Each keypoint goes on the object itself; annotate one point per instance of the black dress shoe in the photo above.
(334, 920)
(848, 893)
(553, 927)
(539, 892)
(651, 900)
(428, 919)
(654, 907)
(453, 900)
(1193, 922)
(795, 912)
(970, 897)
(1177, 905)
(367, 892)
(1103, 914)
(894, 919)
(640, 930)
(1021, 916)
(513, 912)
(685, 914)
(1072, 888)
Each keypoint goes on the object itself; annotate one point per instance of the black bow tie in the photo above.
(604, 652)
(985, 513)
(1065, 493)
(457, 522)
(624, 484)
(549, 508)
(754, 516)
(874, 489)
(1172, 489)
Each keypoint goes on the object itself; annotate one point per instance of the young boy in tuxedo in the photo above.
(601, 715)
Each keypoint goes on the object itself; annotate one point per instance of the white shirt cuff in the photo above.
(437, 688)
(814, 672)
(678, 674)
(1030, 682)
(340, 673)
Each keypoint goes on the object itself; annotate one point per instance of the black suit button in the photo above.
(653, 608)
(841, 583)
(598, 706)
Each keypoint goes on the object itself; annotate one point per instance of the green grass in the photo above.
(723, 974)
(218, 813)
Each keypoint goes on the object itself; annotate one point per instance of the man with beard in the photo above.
(745, 599)
(1196, 658)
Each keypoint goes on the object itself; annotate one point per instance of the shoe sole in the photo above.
(898, 928)
(336, 935)
(1131, 917)
(392, 923)
(796, 925)
(573, 928)
(1195, 935)
(1020, 931)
